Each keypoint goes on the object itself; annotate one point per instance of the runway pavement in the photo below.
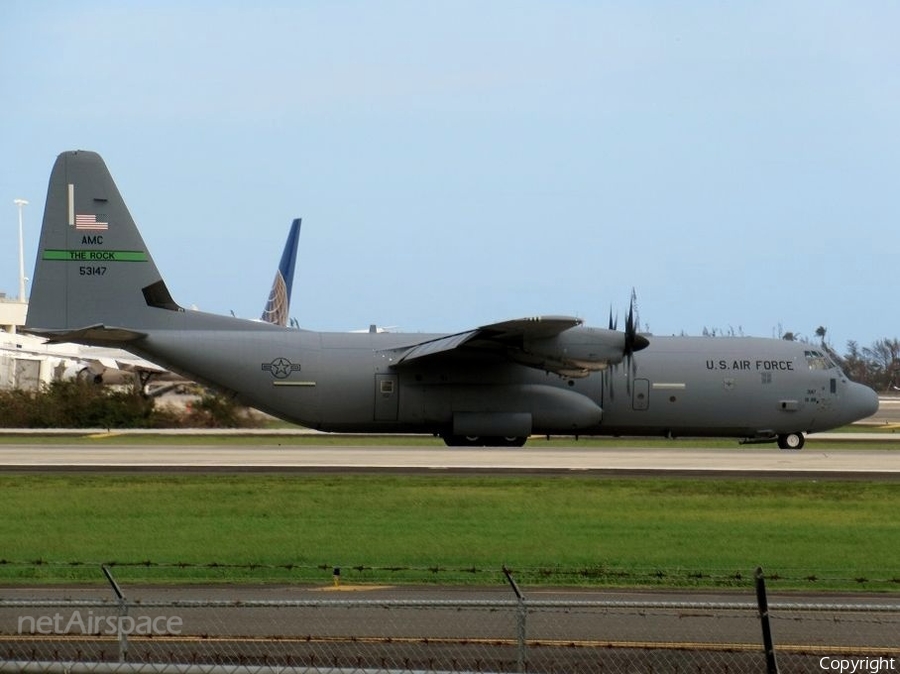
(878, 460)
(458, 629)
(681, 459)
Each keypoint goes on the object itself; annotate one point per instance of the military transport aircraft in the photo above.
(96, 283)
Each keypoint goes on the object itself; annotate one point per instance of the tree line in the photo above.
(80, 403)
(877, 366)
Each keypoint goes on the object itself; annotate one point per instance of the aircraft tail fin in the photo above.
(279, 303)
(93, 269)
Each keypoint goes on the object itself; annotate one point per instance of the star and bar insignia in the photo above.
(281, 368)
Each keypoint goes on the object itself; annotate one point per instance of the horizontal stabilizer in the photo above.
(98, 335)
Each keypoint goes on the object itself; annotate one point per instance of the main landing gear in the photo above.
(483, 441)
(791, 441)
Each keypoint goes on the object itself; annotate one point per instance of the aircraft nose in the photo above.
(865, 402)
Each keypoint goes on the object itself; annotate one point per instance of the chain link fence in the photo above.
(516, 635)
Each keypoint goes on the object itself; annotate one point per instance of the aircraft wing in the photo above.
(512, 340)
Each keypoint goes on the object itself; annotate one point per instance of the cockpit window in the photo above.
(816, 360)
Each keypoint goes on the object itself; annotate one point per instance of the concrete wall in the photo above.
(12, 314)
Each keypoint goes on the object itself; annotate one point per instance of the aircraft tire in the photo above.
(462, 440)
(793, 441)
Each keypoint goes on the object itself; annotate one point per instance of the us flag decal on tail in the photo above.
(89, 222)
(83, 221)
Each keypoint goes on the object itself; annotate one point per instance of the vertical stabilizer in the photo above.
(92, 265)
(279, 302)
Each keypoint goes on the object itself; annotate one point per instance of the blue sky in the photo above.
(459, 163)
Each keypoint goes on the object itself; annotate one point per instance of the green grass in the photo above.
(560, 530)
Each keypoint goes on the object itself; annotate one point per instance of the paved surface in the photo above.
(445, 629)
(888, 410)
(681, 459)
(425, 593)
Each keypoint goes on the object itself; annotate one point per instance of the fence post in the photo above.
(123, 611)
(763, 603)
(521, 614)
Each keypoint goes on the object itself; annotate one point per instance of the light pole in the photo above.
(21, 203)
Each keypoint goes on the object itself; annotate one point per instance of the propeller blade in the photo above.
(629, 329)
(632, 342)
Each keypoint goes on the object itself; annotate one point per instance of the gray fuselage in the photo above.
(742, 387)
